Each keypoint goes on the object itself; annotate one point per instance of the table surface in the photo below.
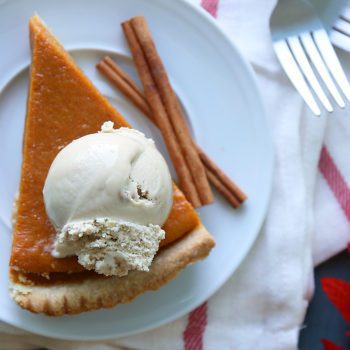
(323, 321)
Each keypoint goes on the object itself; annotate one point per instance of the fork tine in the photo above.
(299, 55)
(292, 70)
(341, 31)
(331, 59)
(342, 25)
(344, 18)
(316, 59)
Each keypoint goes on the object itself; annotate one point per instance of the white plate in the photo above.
(219, 94)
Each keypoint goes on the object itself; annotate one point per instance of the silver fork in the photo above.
(341, 27)
(307, 55)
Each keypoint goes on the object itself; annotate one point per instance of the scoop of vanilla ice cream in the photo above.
(115, 174)
(107, 194)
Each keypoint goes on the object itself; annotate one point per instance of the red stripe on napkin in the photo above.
(329, 345)
(335, 181)
(193, 334)
(338, 291)
(198, 318)
(211, 6)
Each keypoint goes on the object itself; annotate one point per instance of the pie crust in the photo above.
(106, 292)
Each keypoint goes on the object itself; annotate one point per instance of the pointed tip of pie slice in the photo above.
(37, 26)
(36, 23)
(35, 20)
(94, 293)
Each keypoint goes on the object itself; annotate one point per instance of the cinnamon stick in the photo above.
(117, 76)
(233, 194)
(224, 179)
(126, 86)
(160, 115)
(172, 108)
(222, 189)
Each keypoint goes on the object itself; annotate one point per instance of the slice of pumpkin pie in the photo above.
(98, 220)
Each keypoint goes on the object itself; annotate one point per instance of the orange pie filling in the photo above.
(63, 105)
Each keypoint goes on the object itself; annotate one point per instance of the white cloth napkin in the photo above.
(263, 305)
